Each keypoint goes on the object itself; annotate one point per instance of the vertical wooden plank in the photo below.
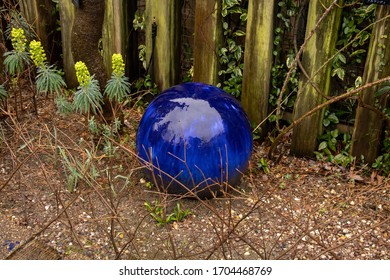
(258, 59)
(114, 31)
(165, 69)
(318, 50)
(368, 123)
(207, 40)
(39, 14)
(67, 14)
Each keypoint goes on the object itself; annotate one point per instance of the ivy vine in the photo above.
(284, 54)
(231, 55)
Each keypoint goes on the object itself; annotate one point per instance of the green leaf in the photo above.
(88, 98)
(117, 88)
(224, 12)
(358, 81)
(15, 62)
(333, 118)
(334, 133)
(322, 145)
(342, 58)
(244, 17)
(3, 93)
(225, 25)
(49, 80)
(326, 122)
(357, 52)
(290, 61)
(64, 106)
(239, 33)
(340, 72)
(383, 90)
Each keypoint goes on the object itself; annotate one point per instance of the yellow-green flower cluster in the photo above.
(82, 73)
(37, 53)
(18, 39)
(118, 66)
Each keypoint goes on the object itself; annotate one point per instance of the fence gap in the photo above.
(318, 50)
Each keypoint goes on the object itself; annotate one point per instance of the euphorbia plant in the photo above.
(118, 87)
(3, 95)
(87, 97)
(48, 79)
(16, 60)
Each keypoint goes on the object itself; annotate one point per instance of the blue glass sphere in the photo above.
(194, 139)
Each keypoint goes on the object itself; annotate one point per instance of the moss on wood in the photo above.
(368, 123)
(318, 50)
(208, 40)
(165, 69)
(114, 31)
(67, 14)
(258, 60)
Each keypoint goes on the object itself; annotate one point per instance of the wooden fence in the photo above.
(86, 29)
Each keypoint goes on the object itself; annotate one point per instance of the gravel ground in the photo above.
(301, 209)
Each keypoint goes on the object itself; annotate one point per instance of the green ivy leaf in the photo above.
(385, 89)
(340, 72)
(333, 118)
(322, 145)
(239, 33)
(342, 58)
(326, 122)
(244, 17)
(358, 82)
(357, 52)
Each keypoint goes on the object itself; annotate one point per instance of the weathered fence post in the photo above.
(39, 14)
(208, 39)
(67, 14)
(258, 59)
(165, 50)
(114, 31)
(368, 123)
(318, 50)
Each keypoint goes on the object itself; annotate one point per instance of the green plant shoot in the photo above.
(118, 87)
(16, 59)
(87, 97)
(48, 78)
